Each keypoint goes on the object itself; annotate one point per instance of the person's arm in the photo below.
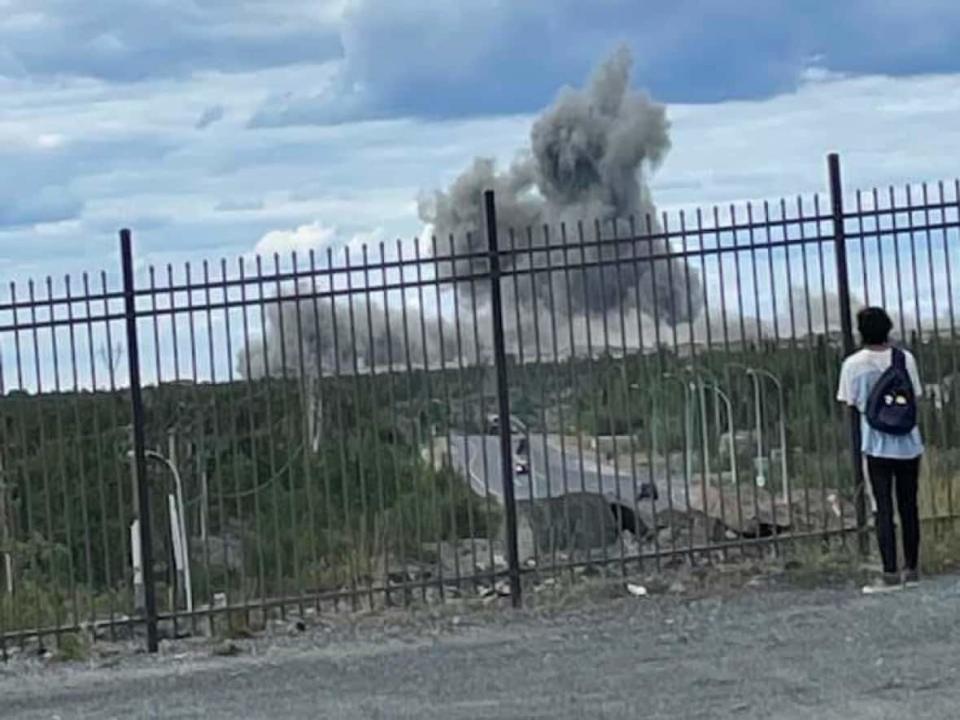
(845, 389)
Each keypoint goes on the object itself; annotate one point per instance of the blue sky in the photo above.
(214, 127)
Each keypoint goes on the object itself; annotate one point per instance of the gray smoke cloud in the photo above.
(311, 337)
(581, 186)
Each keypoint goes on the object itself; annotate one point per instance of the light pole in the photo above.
(760, 479)
(782, 427)
(178, 528)
(755, 375)
(730, 428)
(705, 426)
(687, 427)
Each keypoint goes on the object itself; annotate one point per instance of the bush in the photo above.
(439, 507)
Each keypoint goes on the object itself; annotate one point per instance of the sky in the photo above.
(220, 127)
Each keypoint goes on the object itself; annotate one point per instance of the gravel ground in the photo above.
(767, 651)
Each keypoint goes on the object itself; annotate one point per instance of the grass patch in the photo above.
(938, 483)
(72, 647)
(939, 546)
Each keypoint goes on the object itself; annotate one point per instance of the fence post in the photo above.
(139, 442)
(846, 325)
(503, 397)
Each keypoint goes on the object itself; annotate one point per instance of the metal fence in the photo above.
(196, 449)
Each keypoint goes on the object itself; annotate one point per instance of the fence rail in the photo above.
(195, 448)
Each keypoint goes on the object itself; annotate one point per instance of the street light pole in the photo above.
(782, 427)
(730, 428)
(687, 428)
(699, 374)
(751, 372)
(758, 409)
(181, 527)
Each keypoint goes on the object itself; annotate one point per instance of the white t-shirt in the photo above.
(857, 376)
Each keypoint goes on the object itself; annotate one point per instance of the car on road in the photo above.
(521, 457)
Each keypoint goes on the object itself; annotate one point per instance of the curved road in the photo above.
(554, 473)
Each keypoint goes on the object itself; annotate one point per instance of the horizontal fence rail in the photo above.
(199, 449)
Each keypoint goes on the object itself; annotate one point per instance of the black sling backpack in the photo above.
(892, 404)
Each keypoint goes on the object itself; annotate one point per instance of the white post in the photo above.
(180, 556)
(176, 539)
(781, 405)
(783, 447)
(761, 479)
(178, 531)
(688, 432)
(181, 522)
(704, 429)
(204, 506)
(8, 569)
(136, 559)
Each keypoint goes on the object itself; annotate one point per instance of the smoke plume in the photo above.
(316, 337)
(581, 187)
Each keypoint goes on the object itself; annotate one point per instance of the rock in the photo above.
(122, 630)
(631, 546)
(466, 557)
(689, 528)
(412, 573)
(545, 584)
(573, 523)
(226, 649)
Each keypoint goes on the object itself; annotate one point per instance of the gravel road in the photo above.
(772, 652)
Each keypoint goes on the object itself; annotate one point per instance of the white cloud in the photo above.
(370, 240)
(50, 140)
(132, 157)
(777, 147)
(300, 240)
(320, 238)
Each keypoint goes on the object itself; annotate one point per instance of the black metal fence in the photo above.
(196, 449)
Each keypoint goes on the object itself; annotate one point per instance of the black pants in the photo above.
(883, 472)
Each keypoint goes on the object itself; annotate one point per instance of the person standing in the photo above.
(882, 383)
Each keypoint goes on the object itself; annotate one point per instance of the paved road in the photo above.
(555, 471)
(771, 654)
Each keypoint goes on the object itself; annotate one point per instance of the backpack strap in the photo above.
(899, 360)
